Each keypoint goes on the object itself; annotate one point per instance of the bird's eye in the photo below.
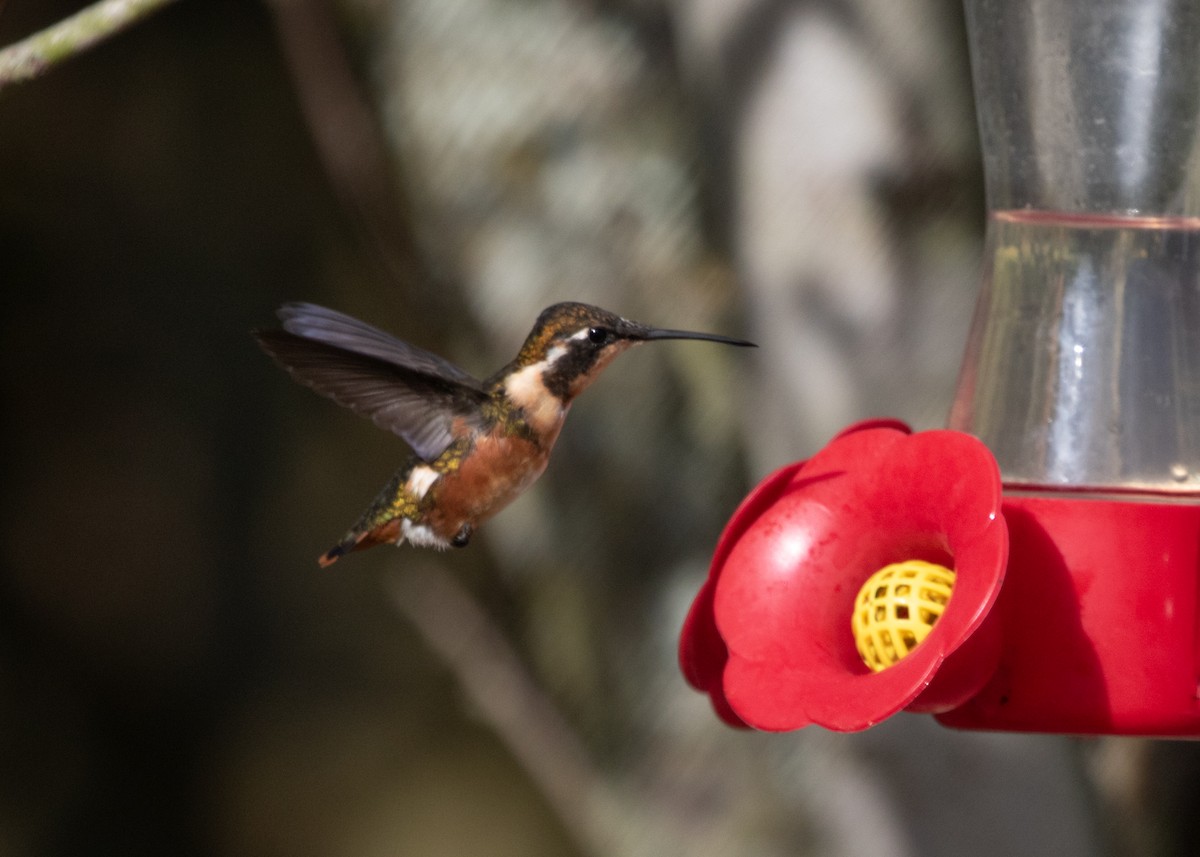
(597, 335)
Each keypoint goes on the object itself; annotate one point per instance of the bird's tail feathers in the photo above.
(387, 533)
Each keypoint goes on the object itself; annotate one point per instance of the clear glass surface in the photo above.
(1083, 365)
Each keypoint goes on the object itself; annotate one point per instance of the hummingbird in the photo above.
(476, 445)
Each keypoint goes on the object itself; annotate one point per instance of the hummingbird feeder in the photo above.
(1036, 566)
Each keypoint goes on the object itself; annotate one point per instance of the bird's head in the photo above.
(571, 343)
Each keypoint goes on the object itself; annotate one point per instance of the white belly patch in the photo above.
(421, 480)
(420, 536)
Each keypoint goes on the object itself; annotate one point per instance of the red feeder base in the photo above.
(1100, 620)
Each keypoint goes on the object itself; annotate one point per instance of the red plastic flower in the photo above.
(768, 636)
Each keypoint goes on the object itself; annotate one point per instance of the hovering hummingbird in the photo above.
(476, 444)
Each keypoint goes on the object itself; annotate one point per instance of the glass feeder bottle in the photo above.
(1082, 369)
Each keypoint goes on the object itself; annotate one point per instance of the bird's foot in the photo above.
(463, 536)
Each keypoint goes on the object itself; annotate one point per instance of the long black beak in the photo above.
(644, 333)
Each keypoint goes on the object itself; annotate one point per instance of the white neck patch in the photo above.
(542, 409)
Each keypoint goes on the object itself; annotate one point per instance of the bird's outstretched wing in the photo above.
(402, 388)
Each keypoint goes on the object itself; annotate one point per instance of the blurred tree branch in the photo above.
(604, 815)
(509, 700)
(350, 141)
(33, 56)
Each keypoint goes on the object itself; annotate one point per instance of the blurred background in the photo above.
(176, 674)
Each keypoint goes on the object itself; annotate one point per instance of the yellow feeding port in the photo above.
(896, 609)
